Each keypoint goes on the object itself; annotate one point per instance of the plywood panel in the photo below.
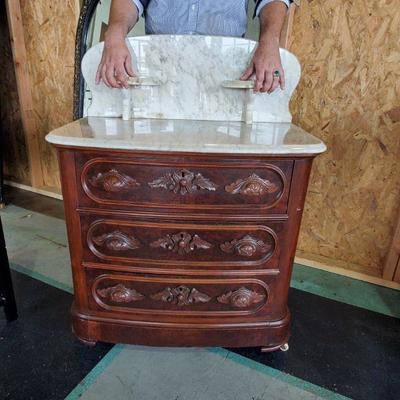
(49, 28)
(13, 141)
(348, 95)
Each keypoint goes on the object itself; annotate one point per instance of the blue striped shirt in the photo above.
(204, 17)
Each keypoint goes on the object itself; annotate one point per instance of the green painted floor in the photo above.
(37, 246)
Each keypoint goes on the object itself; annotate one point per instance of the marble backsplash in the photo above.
(190, 70)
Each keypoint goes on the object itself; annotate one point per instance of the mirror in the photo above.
(92, 26)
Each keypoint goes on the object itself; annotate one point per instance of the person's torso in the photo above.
(205, 17)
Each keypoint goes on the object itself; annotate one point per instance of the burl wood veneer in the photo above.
(172, 247)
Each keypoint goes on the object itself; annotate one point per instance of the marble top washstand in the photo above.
(183, 199)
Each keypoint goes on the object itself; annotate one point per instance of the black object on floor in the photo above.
(40, 358)
(343, 348)
(7, 298)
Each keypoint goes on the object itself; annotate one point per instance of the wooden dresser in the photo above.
(175, 247)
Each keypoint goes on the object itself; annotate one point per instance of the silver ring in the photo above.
(277, 73)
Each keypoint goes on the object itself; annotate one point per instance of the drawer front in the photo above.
(184, 245)
(226, 187)
(179, 297)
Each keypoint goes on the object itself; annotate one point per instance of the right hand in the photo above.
(116, 64)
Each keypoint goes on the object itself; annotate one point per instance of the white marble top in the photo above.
(187, 136)
(191, 72)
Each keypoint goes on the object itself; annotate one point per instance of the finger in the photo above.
(282, 80)
(248, 73)
(275, 84)
(104, 76)
(110, 74)
(121, 77)
(268, 81)
(98, 73)
(128, 66)
(258, 84)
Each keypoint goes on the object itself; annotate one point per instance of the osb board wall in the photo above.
(12, 140)
(49, 28)
(350, 55)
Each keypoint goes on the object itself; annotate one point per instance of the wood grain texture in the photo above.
(391, 270)
(23, 81)
(49, 28)
(350, 83)
(13, 139)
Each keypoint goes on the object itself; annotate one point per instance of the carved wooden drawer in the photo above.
(181, 245)
(176, 296)
(228, 187)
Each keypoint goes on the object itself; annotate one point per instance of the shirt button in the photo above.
(193, 7)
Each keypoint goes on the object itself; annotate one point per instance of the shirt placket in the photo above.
(193, 16)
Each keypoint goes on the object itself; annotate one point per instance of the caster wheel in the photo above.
(87, 342)
(284, 347)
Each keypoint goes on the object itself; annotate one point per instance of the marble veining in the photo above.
(191, 72)
(187, 136)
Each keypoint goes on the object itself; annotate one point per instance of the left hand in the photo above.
(265, 61)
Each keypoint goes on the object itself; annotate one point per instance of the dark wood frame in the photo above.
(85, 16)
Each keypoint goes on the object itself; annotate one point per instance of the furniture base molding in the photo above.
(91, 329)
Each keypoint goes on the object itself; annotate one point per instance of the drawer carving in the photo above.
(248, 246)
(113, 181)
(116, 241)
(181, 243)
(252, 186)
(178, 296)
(120, 294)
(232, 187)
(183, 182)
(181, 295)
(241, 298)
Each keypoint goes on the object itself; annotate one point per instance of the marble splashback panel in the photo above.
(191, 70)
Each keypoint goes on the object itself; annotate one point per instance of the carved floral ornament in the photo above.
(246, 247)
(181, 243)
(241, 298)
(252, 186)
(117, 241)
(183, 181)
(181, 296)
(120, 294)
(114, 181)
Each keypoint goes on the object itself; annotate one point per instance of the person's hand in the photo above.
(266, 60)
(116, 65)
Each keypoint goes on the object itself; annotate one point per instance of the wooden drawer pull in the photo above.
(120, 294)
(252, 186)
(181, 296)
(247, 246)
(117, 241)
(114, 181)
(183, 181)
(181, 243)
(241, 298)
